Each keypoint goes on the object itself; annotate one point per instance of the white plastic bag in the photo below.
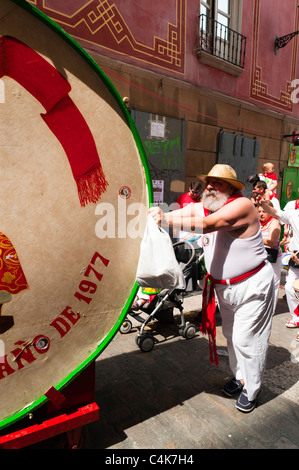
(157, 266)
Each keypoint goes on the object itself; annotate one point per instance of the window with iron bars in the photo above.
(216, 35)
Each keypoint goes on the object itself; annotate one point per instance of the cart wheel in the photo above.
(126, 326)
(145, 342)
(189, 331)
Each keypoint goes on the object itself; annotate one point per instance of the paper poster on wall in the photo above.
(158, 187)
(157, 129)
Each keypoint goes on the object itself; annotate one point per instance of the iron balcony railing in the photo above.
(221, 41)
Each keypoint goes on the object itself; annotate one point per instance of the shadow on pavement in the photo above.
(134, 387)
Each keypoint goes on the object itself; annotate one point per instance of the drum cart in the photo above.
(65, 413)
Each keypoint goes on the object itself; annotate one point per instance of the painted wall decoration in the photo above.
(163, 36)
(265, 87)
(104, 26)
(68, 149)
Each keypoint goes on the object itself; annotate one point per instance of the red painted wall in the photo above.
(162, 36)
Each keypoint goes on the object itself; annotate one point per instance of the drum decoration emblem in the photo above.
(125, 192)
(205, 240)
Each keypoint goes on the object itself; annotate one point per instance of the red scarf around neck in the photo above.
(267, 221)
(271, 176)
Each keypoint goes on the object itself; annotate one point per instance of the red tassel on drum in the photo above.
(72, 131)
(62, 116)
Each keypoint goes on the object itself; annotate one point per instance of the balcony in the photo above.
(220, 47)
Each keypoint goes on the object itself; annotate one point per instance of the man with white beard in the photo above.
(238, 271)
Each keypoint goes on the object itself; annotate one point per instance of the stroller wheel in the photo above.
(126, 326)
(189, 331)
(145, 342)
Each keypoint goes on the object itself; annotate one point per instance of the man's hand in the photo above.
(157, 214)
(259, 200)
(294, 257)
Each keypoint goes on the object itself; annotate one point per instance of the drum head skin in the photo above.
(76, 189)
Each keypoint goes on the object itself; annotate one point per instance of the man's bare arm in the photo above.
(236, 215)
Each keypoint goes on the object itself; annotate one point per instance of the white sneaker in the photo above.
(292, 324)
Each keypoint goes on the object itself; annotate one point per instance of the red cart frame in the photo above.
(65, 412)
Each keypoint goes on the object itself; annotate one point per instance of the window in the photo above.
(219, 10)
(219, 35)
(223, 12)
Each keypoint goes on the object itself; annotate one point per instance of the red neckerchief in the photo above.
(264, 223)
(273, 194)
(297, 204)
(271, 176)
(208, 321)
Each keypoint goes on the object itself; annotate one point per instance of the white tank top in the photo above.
(227, 257)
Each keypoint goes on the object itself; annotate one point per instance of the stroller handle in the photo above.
(185, 242)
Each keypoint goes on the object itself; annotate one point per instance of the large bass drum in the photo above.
(76, 189)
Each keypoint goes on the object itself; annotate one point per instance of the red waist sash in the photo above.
(208, 321)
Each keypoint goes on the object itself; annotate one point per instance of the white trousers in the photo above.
(292, 275)
(247, 309)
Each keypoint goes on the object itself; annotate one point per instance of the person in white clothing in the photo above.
(290, 217)
(291, 205)
(296, 289)
(239, 272)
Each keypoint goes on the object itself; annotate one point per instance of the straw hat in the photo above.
(223, 172)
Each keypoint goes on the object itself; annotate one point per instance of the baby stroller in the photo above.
(161, 307)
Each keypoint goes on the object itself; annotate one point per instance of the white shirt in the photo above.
(289, 206)
(275, 203)
(291, 217)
